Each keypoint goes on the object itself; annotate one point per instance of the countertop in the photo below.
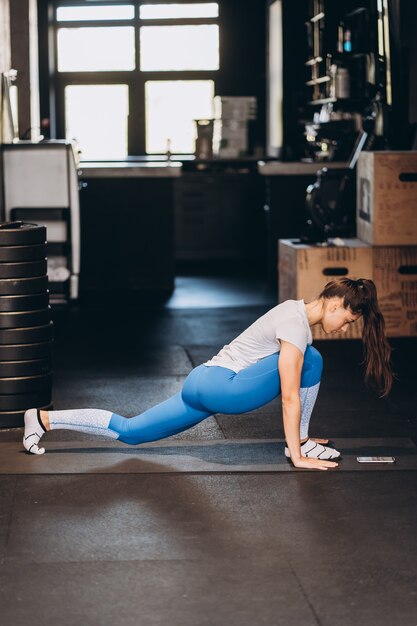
(172, 169)
(295, 168)
(123, 169)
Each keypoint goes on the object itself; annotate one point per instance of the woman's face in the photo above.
(336, 318)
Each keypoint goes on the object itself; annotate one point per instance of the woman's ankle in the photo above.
(45, 419)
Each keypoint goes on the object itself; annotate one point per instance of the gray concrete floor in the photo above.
(290, 548)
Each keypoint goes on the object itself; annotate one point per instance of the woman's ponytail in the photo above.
(377, 350)
(361, 297)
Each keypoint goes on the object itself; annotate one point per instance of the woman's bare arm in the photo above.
(290, 365)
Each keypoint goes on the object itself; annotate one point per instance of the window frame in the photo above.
(135, 79)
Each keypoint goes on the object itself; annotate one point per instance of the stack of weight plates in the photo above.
(25, 322)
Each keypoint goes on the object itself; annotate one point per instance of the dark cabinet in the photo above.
(127, 235)
(219, 216)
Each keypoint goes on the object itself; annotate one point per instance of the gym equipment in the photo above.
(23, 270)
(25, 384)
(29, 335)
(25, 352)
(23, 286)
(24, 401)
(11, 418)
(330, 204)
(11, 369)
(21, 319)
(331, 200)
(50, 196)
(33, 302)
(13, 254)
(25, 322)
(19, 233)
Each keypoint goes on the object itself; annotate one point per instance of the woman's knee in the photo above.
(312, 368)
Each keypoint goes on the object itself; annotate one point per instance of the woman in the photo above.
(274, 355)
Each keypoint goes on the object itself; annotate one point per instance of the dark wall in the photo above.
(242, 50)
(409, 48)
(403, 24)
(294, 57)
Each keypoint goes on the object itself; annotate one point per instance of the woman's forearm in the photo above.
(291, 410)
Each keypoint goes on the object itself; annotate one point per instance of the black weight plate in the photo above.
(26, 352)
(15, 254)
(23, 286)
(21, 234)
(24, 401)
(32, 334)
(15, 419)
(23, 270)
(23, 319)
(36, 367)
(32, 302)
(25, 384)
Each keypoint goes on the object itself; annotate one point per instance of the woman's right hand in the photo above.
(309, 463)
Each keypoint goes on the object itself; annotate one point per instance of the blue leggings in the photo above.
(213, 389)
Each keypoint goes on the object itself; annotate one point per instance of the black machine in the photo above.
(331, 200)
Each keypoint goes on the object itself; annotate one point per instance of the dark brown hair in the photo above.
(360, 296)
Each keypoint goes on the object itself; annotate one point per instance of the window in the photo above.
(171, 108)
(169, 11)
(82, 14)
(96, 49)
(96, 118)
(173, 48)
(132, 78)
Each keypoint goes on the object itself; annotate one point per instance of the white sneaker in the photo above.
(34, 430)
(314, 450)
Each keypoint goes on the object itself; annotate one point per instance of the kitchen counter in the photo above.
(295, 168)
(125, 169)
(146, 168)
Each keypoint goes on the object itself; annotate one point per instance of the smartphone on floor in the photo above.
(375, 459)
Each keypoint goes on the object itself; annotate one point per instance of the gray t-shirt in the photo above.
(287, 321)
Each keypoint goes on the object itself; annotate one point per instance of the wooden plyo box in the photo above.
(395, 276)
(305, 269)
(386, 186)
